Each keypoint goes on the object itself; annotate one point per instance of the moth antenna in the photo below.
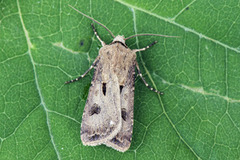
(93, 20)
(159, 35)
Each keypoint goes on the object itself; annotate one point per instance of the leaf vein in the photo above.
(30, 46)
(171, 21)
(154, 85)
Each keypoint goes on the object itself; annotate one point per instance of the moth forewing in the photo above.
(102, 114)
(122, 140)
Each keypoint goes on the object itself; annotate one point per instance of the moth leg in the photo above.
(93, 64)
(95, 32)
(143, 49)
(140, 74)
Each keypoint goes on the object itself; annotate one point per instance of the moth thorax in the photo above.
(119, 39)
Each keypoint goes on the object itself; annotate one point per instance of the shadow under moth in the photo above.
(108, 115)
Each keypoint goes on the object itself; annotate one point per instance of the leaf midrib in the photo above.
(29, 44)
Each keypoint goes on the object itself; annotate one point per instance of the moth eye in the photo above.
(104, 89)
(95, 109)
(121, 87)
(124, 114)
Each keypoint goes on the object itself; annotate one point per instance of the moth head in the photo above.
(119, 39)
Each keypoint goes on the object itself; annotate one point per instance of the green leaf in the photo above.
(45, 43)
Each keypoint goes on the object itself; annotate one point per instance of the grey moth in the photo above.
(108, 113)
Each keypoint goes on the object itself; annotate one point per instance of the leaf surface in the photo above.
(45, 43)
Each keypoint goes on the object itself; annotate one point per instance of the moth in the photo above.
(108, 114)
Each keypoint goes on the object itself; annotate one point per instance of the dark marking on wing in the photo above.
(95, 109)
(124, 114)
(129, 138)
(119, 141)
(121, 87)
(116, 141)
(104, 89)
(94, 137)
